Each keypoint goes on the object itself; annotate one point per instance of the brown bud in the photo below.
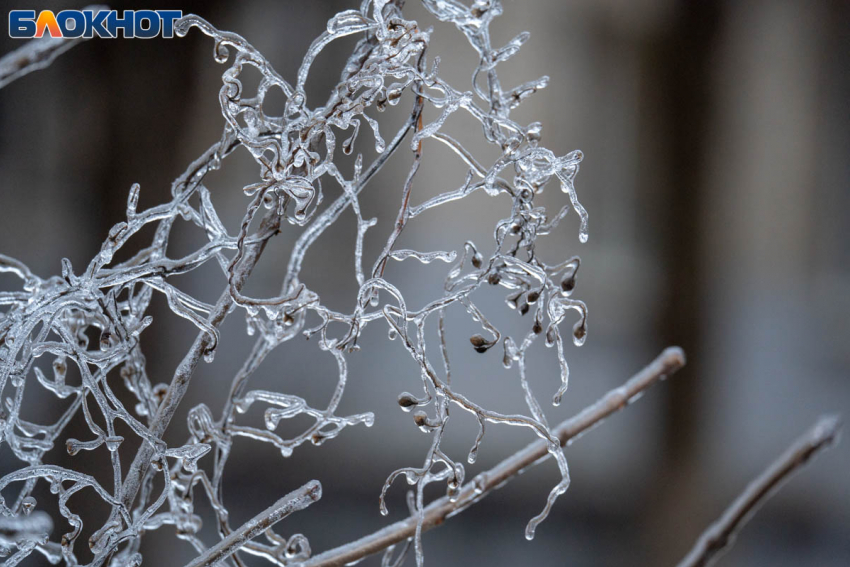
(407, 401)
(579, 331)
(479, 343)
(420, 418)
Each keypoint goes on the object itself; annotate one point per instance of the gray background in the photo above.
(716, 137)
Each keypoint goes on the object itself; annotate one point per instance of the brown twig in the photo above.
(721, 534)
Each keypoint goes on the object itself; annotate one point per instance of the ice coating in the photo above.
(52, 318)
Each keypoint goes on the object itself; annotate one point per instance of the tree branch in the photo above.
(183, 374)
(668, 362)
(721, 534)
(292, 502)
(36, 54)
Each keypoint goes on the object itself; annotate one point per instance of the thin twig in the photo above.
(721, 534)
(183, 374)
(668, 362)
(36, 54)
(292, 502)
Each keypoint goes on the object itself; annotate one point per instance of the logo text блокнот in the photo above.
(144, 24)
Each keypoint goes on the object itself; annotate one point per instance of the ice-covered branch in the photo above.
(667, 363)
(292, 502)
(717, 539)
(36, 54)
(79, 336)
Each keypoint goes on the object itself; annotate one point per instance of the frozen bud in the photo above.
(393, 95)
(105, 340)
(407, 401)
(568, 283)
(579, 332)
(479, 343)
(59, 369)
(159, 392)
(420, 418)
(73, 446)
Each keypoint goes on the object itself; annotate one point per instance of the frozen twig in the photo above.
(292, 502)
(182, 376)
(667, 363)
(36, 54)
(33, 526)
(720, 535)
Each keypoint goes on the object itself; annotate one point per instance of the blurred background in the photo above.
(717, 179)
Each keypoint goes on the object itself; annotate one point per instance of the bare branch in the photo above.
(721, 534)
(292, 502)
(668, 362)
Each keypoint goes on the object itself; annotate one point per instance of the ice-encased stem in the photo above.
(36, 54)
(292, 502)
(668, 362)
(720, 535)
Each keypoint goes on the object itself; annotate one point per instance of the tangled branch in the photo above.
(79, 335)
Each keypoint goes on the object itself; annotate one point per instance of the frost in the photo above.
(296, 154)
